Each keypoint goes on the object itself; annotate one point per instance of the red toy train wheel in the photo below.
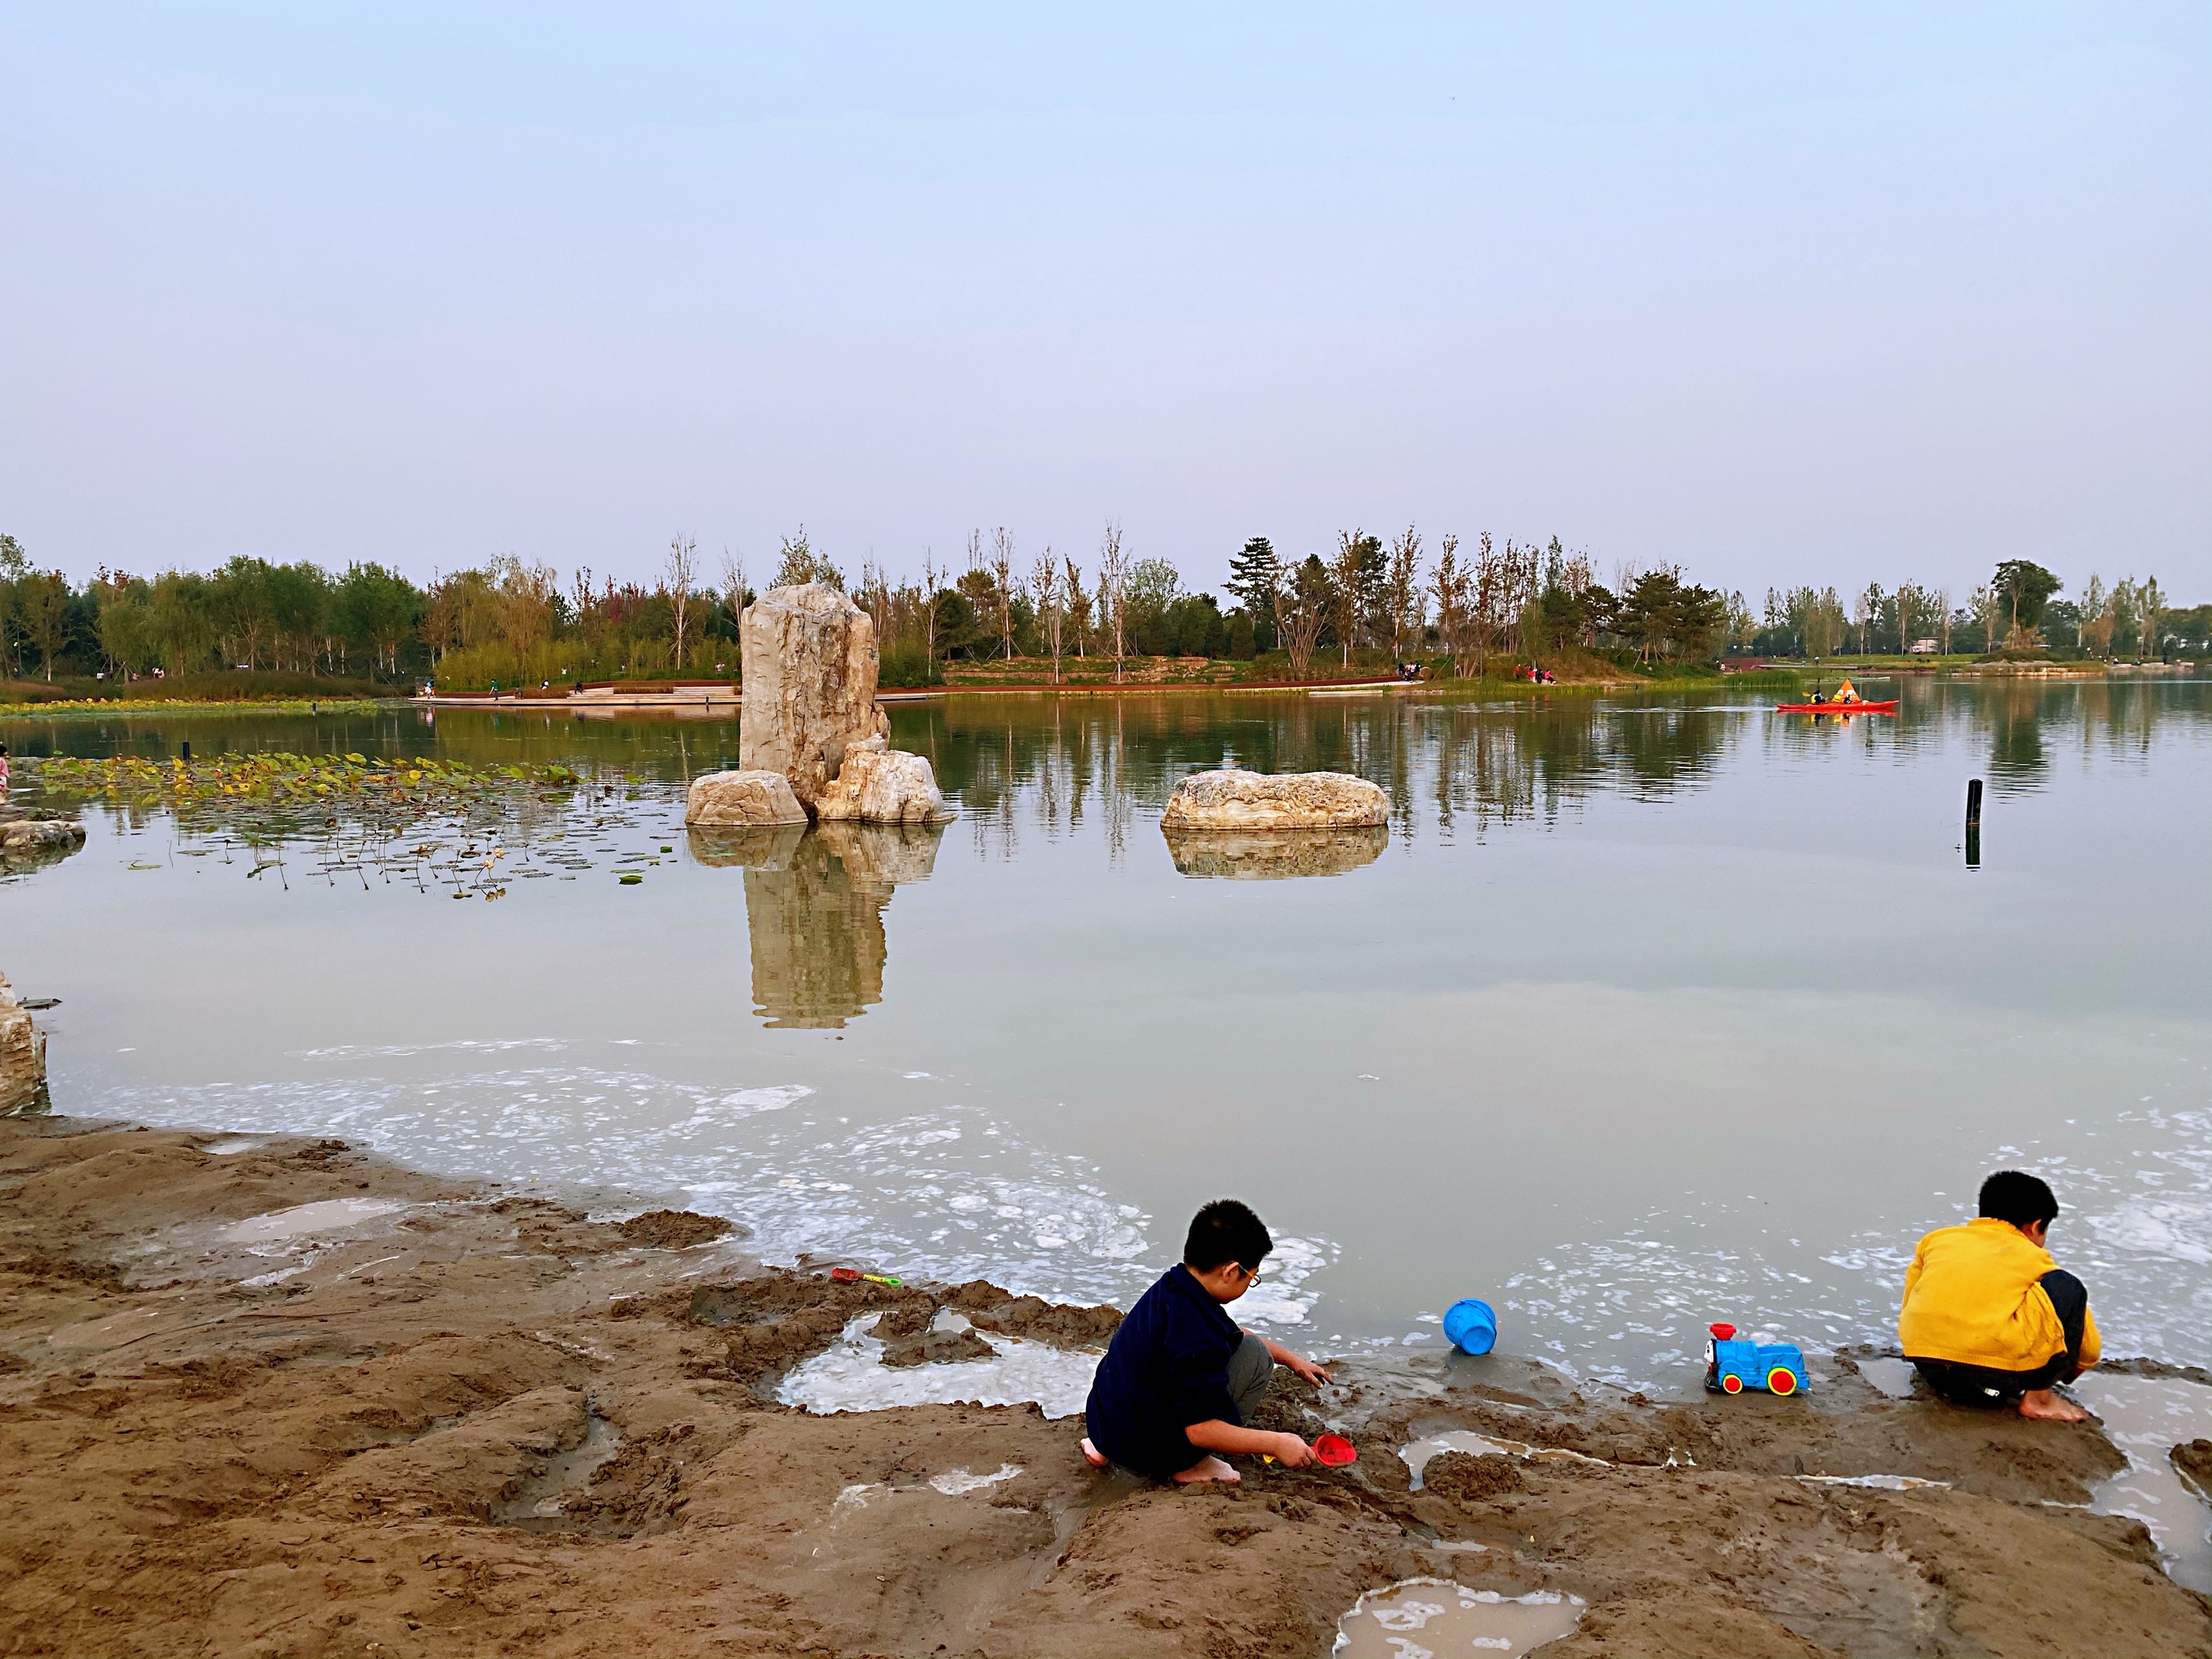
(1732, 1383)
(1782, 1380)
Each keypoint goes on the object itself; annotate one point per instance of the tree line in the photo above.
(1477, 605)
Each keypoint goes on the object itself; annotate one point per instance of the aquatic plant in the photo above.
(278, 777)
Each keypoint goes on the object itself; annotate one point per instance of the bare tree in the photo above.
(1044, 586)
(1985, 608)
(933, 583)
(1002, 568)
(734, 585)
(682, 571)
(1346, 572)
(1452, 583)
(1302, 603)
(2150, 618)
(1078, 609)
(1402, 588)
(1942, 602)
(1112, 579)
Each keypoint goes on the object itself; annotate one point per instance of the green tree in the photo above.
(378, 608)
(42, 602)
(1255, 581)
(245, 615)
(2024, 588)
(125, 626)
(183, 630)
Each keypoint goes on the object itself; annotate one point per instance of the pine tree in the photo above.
(1255, 577)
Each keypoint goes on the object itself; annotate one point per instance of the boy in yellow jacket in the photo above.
(1989, 1317)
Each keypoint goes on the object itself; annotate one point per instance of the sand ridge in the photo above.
(479, 1423)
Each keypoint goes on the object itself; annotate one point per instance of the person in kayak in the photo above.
(1989, 1318)
(1181, 1378)
(1846, 693)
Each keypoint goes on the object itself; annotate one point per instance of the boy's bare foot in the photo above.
(1092, 1455)
(1208, 1469)
(2048, 1405)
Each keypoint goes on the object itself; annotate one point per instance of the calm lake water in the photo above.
(1643, 1012)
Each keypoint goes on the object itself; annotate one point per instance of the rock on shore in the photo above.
(1234, 799)
(882, 785)
(742, 798)
(23, 1054)
(810, 685)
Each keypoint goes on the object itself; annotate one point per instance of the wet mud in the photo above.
(478, 1422)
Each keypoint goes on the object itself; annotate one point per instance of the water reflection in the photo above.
(1274, 854)
(814, 908)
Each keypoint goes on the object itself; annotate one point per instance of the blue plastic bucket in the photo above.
(1471, 1325)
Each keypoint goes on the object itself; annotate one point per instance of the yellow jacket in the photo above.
(1973, 1296)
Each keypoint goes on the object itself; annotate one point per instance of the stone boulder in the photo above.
(34, 841)
(1290, 800)
(882, 786)
(22, 1056)
(735, 798)
(1274, 854)
(809, 655)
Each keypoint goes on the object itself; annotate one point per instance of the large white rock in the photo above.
(809, 655)
(742, 798)
(22, 1054)
(882, 785)
(1288, 800)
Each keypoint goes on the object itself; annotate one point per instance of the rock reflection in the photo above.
(1274, 854)
(814, 907)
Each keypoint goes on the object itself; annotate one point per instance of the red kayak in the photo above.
(1888, 706)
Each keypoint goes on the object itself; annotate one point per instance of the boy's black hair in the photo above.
(1225, 1231)
(2020, 1198)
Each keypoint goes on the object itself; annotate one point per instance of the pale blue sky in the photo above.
(1864, 294)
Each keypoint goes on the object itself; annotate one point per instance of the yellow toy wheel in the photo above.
(1782, 1380)
(1732, 1383)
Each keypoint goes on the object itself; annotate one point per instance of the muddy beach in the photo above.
(278, 1397)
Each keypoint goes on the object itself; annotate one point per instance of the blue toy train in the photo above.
(1732, 1366)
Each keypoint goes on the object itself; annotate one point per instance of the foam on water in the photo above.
(949, 1192)
(1423, 1618)
(851, 1376)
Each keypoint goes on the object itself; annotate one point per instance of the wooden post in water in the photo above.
(1973, 823)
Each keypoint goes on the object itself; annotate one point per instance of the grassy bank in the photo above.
(143, 707)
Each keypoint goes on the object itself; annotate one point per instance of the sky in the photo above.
(1779, 294)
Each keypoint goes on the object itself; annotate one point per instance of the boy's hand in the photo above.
(1307, 1369)
(1291, 1452)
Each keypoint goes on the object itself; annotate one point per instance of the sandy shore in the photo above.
(442, 1418)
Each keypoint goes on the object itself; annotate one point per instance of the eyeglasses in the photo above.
(1251, 1275)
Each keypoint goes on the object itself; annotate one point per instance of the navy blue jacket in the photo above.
(1166, 1368)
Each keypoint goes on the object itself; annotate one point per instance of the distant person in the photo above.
(1181, 1377)
(1846, 693)
(1989, 1317)
(4, 771)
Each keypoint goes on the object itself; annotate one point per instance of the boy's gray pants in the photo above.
(1250, 1369)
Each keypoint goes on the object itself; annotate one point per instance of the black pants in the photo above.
(1982, 1385)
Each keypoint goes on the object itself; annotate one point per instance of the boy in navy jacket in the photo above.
(1181, 1377)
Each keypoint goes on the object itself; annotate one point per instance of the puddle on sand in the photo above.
(1878, 1482)
(1416, 1454)
(541, 1503)
(325, 1216)
(2146, 1418)
(1434, 1619)
(851, 1377)
(1893, 1376)
(231, 1145)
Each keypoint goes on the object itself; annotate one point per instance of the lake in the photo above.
(1643, 1012)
